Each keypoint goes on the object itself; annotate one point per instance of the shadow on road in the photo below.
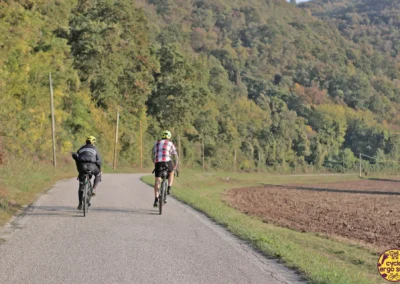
(70, 211)
(334, 190)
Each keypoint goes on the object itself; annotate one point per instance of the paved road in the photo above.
(124, 240)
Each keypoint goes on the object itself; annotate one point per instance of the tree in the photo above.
(180, 91)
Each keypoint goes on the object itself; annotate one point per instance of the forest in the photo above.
(283, 87)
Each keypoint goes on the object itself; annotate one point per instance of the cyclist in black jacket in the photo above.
(88, 158)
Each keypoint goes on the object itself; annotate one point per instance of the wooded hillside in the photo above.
(286, 87)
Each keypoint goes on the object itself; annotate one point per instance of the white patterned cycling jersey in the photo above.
(163, 150)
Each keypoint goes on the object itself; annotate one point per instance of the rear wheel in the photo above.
(89, 193)
(87, 197)
(165, 192)
(160, 201)
(161, 197)
(84, 199)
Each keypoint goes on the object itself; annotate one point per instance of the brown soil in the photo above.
(367, 211)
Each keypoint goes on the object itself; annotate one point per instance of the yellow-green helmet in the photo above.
(91, 139)
(166, 134)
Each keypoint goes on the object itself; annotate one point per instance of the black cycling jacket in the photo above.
(89, 154)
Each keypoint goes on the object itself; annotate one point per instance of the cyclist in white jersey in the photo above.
(163, 151)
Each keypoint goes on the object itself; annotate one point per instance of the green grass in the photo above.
(319, 258)
(21, 182)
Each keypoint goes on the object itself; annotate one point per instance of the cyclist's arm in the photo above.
(99, 161)
(175, 156)
(176, 160)
(153, 156)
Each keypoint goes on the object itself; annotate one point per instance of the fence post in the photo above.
(360, 164)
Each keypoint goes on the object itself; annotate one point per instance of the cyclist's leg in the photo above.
(81, 178)
(157, 182)
(170, 176)
(80, 196)
(95, 171)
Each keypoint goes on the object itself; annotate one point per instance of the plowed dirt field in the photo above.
(366, 210)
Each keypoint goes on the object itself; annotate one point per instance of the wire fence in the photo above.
(368, 165)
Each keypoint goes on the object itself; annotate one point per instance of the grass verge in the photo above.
(21, 182)
(319, 258)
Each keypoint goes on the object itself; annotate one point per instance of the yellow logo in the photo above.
(389, 265)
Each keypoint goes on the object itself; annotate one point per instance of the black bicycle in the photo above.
(162, 196)
(87, 189)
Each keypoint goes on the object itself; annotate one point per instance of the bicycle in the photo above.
(162, 196)
(163, 188)
(87, 189)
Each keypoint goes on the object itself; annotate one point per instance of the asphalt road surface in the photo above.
(124, 240)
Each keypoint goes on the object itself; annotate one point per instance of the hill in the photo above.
(280, 87)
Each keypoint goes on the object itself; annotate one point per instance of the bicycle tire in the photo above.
(162, 195)
(165, 192)
(90, 191)
(160, 199)
(87, 197)
(84, 199)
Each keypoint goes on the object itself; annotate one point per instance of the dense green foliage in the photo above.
(282, 88)
(374, 27)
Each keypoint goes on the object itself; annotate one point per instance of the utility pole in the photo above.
(202, 142)
(179, 152)
(234, 162)
(141, 146)
(116, 141)
(53, 126)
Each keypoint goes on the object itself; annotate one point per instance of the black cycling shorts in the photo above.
(83, 167)
(169, 165)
